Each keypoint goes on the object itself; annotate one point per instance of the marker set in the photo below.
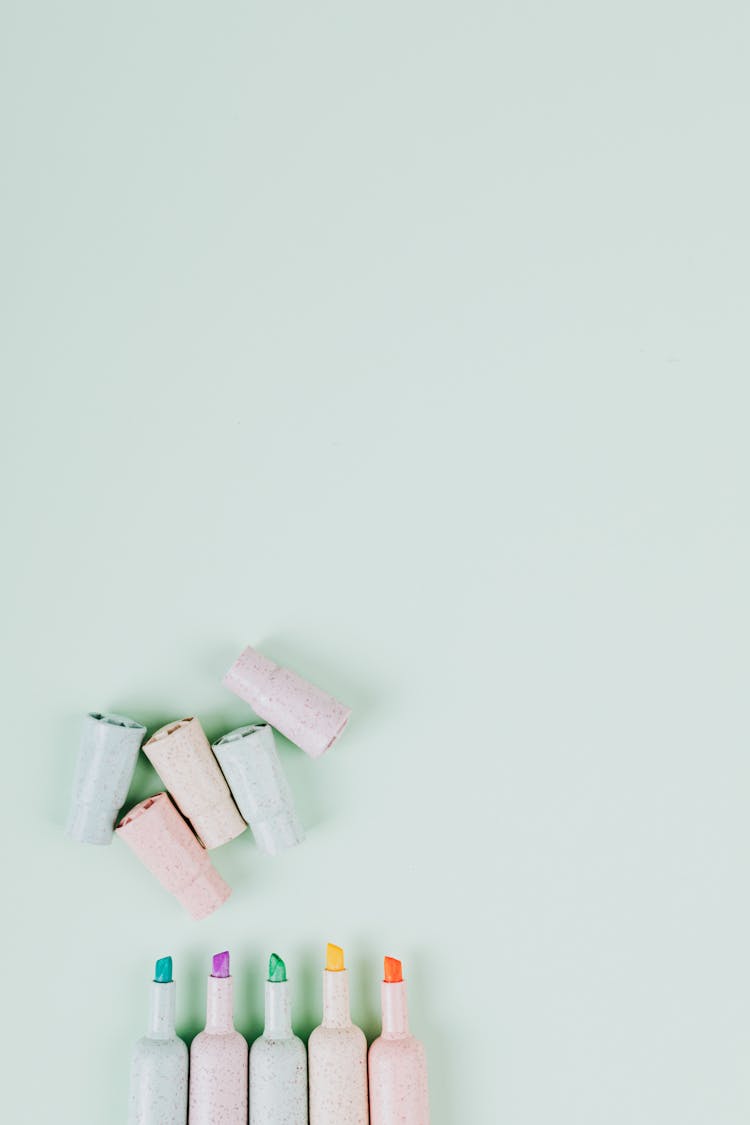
(212, 792)
(223, 1084)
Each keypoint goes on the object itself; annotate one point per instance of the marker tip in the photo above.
(276, 970)
(220, 966)
(163, 971)
(393, 972)
(334, 958)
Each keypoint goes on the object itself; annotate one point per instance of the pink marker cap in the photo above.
(305, 714)
(163, 842)
(183, 759)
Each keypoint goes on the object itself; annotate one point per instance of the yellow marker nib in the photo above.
(334, 959)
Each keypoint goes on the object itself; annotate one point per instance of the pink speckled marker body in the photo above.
(397, 1066)
(162, 840)
(305, 714)
(219, 1058)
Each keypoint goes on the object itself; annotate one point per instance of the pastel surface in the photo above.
(407, 343)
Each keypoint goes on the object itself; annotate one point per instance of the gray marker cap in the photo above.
(250, 763)
(106, 763)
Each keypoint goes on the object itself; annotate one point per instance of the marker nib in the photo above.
(163, 971)
(276, 970)
(220, 967)
(334, 958)
(393, 972)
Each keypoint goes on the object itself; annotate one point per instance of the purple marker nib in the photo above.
(221, 965)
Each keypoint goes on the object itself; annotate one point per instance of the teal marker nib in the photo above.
(276, 970)
(163, 971)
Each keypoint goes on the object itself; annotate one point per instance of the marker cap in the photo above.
(182, 757)
(305, 714)
(251, 765)
(163, 842)
(104, 769)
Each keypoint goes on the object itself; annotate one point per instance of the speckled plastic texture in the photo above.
(219, 1063)
(250, 762)
(337, 1060)
(278, 1066)
(182, 757)
(397, 1066)
(159, 1067)
(106, 762)
(162, 840)
(305, 714)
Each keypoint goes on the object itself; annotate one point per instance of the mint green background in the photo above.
(409, 342)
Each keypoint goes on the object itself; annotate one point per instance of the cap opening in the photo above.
(115, 720)
(240, 733)
(169, 728)
(338, 732)
(140, 809)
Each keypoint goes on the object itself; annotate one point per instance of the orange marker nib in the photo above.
(393, 973)
(334, 959)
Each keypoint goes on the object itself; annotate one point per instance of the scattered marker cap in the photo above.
(307, 716)
(182, 757)
(251, 765)
(106, 763)
(162, 840)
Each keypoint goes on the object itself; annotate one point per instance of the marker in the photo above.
(337, 1054)
(159, 1067)
(218, 1058)
(278, 1060)
(398, 1067)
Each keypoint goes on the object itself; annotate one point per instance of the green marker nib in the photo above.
(276, 969)
(163, 971)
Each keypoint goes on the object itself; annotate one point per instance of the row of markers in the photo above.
(215, 789)
(271, 1085)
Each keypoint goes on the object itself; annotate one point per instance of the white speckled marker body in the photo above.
(309, 717)
(398, 1066)
(218, 1063)
(337, 1059)
(278, 1065)
(250, 763)
(159, 1068)
(182, 757)
(106, 762)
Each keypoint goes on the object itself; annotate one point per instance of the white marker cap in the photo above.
(251, 765)
(106, 763)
